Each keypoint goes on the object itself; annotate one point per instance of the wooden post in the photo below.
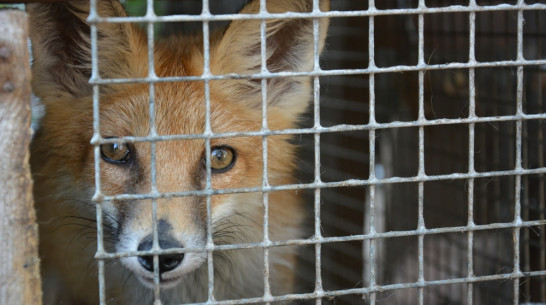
(19, 262)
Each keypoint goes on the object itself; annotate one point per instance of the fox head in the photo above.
(62, 149)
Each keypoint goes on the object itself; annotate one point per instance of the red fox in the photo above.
(63, 158)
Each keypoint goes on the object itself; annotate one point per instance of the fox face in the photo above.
(63, 160)
(182, 221)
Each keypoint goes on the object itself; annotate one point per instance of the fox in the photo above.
(63, 158)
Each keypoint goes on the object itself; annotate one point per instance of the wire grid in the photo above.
(371, 287)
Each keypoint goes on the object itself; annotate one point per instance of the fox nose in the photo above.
(167, 262)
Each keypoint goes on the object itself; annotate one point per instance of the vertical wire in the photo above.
(471, 147)
(98, 196)
(150, 14)
(541, 201)
(541, 198)
(525, 192)
(265, 180)
(318, 235)
(526, 255)
(518, 161)
(208, 133)
(316, 119)
(525, 247)
(371, 143)
(421, 171)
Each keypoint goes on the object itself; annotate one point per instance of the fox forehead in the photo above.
(180, 108)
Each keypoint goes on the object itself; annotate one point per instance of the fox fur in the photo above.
(63, 158)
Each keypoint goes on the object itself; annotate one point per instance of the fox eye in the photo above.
(116, 153)
(222, 158)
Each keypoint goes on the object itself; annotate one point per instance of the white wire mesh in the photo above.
(370, 236)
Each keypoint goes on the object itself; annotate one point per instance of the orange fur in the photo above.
(63, 159)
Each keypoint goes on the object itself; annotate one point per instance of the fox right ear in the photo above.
(290, 46)
(60, 38)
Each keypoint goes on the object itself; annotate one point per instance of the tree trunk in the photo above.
(19, 266)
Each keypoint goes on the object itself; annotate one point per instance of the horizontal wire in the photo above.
(325, 240)
(378, 288)
(316, 130)
(96, 80)
(310, 15)
(321, 185)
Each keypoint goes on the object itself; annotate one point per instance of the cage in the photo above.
(437, 86)
(421, 157)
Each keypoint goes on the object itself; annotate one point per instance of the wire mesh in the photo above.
(425, 144)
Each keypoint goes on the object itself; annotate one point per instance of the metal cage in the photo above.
(423, 152)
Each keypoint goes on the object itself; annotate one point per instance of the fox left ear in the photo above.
(289, 47)
(61, 46)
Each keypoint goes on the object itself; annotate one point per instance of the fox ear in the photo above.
(60, 38)
(289, 47)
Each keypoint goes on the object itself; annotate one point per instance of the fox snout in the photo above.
(179, 230)
(166, 241)
(167, 262)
